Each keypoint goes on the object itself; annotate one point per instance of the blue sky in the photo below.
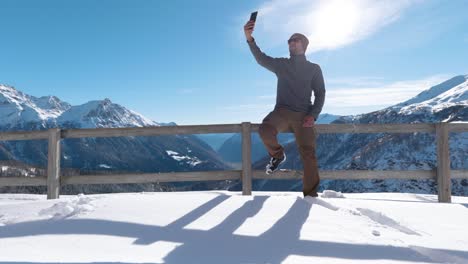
(187, 61)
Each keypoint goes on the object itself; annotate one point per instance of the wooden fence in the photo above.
(53, 181)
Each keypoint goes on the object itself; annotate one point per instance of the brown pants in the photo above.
(280, 120)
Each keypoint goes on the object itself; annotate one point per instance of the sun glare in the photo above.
(334, 23)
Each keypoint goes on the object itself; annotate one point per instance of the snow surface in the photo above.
(103, 113)
(449, 93)
(227, 227)
(16, 106)
(192, 161)
(105, 166)
(436, 90)
(332, 194)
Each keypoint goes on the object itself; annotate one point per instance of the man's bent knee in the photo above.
(266, 129)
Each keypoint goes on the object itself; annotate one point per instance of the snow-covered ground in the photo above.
(226, 227)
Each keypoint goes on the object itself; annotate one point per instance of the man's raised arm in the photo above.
(262, 59)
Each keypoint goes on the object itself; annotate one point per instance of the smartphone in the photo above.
(253, 16)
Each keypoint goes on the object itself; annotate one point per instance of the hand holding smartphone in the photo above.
(249, 26)
(253, 16)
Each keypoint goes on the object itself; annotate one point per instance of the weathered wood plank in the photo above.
(350, 174)
(459, 174)
(368, 128)
(53, 164)
(151, 131)
(23, 181)
(458, 127)
(225, 128)
(236, 128)
(24, 135)
(228, 175)
(153, 177)
(246, 159)
(443, 163)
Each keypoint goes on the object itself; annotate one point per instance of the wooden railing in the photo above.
(54, 180)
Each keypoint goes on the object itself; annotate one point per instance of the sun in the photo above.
(334, 23)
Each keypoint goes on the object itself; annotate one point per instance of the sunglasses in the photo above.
(293, 39)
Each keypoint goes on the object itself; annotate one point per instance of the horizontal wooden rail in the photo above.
(229, 175)
(458, 127)
(153, 177)
(224, 128)
(374, 128)
(23, 181)
(237, 128)
(459, 174)
(24, 135)
(352, 174)
(150, 131)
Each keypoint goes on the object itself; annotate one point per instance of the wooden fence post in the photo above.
(443, 163)
(53, 164)
(246, 159)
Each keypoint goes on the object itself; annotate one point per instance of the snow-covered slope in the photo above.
(102, 113)
(18, 108)
(447, 90)
(453, 92)
(226, 227)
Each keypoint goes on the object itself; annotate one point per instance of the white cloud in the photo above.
(382, 95)
(345, 96)
(329, 24)
(366, 91)
(355, 81)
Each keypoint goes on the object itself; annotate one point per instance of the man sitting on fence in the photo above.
(297, 78)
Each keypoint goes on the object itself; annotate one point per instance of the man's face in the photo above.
(296, 46)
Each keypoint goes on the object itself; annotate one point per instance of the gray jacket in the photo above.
(297, 78)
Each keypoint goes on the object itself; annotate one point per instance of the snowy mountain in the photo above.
(102, 113)
(18, 108)
(446, 102)
(326, 118)
(451, 91)
(215, 140)
(19, 111)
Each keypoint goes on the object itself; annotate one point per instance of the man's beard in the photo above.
(295, 52)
